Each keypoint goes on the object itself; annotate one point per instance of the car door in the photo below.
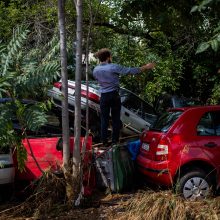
(136, 114)
(42, 153)
(208, 134)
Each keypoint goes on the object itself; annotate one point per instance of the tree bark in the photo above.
(77, 125)
(64, 77)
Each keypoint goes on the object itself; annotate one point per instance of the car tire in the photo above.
(195, 184)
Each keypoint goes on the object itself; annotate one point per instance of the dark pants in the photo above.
(110, 102)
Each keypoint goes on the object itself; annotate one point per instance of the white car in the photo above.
(136, 114)
(7, 175)
(7, 170)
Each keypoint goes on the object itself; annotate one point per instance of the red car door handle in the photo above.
(210, 144)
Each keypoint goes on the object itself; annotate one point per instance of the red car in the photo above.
(182, 149)
(45, 147)
(48, 153)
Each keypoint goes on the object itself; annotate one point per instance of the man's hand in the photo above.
(148, 66)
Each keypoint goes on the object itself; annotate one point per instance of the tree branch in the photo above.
(120, 30)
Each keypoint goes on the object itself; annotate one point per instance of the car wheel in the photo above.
(195, 185)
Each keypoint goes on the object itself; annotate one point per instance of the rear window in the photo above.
(166, 121)
(209, 124)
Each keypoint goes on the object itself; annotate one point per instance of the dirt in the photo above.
(48, 203)
(102, 206)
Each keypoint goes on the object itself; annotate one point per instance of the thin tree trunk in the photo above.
(63, 57)
(65, 112)
(77, 127)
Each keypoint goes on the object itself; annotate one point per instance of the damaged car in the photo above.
(136, 114)
(44, 150)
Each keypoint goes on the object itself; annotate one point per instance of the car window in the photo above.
(166, 121)
(209, 124)
(216, 119)
(136, 104)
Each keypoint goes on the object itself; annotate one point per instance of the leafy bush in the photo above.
(23, 75)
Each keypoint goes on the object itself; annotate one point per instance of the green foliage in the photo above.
(166, 78)
(22, 73)
(9, 138)
(30, 116)
(167, 31)
(215, 97)
(213, 43)
(40, 15)
(202, 47)
(7, 59)
(132, 52)
(21, 155)
(203, 5)
(202, 8)
(6, 128)
(137, 31)
(22, 70)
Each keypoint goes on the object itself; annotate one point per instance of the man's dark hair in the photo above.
(103, 54)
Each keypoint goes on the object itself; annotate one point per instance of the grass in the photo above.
(48, 200)
(43, 198)
(165, 205)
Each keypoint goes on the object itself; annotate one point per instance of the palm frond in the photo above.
(31, 116)
(13, 48)
(7, 136)
(36, 76)
(6, 83)
(54, 50)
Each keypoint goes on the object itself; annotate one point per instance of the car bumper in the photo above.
(155, 171)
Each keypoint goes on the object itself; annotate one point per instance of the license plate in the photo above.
(145, 146)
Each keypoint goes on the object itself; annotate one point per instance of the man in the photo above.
(107, 75)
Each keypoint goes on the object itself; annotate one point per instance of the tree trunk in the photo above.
(65, 112)
(63, 57)
(77, 126)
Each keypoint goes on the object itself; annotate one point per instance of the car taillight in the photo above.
(162, 150)
(58, 85)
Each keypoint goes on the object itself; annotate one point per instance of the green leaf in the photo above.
(194, 9)
(214, 44)
(202, 47)
(217, 29)
(206, 2)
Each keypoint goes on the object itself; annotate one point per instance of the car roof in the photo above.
(204, 107)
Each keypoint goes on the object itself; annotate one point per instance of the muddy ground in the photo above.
(144, 201)
(101, 205)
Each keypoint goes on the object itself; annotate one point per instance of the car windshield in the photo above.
(166, 121)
